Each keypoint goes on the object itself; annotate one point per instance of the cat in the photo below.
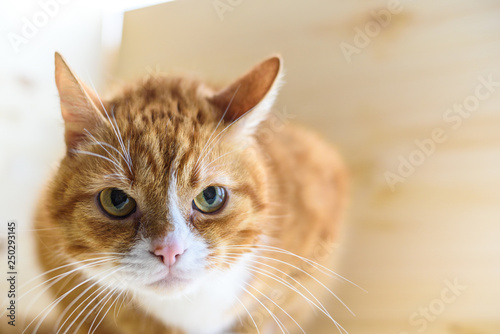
(181, 208)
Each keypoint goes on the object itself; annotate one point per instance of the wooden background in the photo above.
(443, 222)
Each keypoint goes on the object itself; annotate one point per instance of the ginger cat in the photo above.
(176, 210)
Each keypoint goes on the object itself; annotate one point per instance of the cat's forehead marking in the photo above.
(169, 124)
(175, 215)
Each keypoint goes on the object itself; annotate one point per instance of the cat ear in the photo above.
(78, 104)
(249, 99)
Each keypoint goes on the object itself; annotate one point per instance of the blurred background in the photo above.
(409, 91)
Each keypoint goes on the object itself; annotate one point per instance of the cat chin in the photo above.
(170, 289)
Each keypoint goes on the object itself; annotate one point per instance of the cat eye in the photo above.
(116, 202)
(210, 200)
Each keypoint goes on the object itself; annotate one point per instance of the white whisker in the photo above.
(111, 294)
(98, 156)
(119, 135)
(249, 314)
(73, 302)
(53, 304)
(107, 259)
(213, 132)
(94, 284)
(269, 274)
(80, 324)
(272, 301)
(103, 145)
(316, 265)
(275, 277)
(65, 266)
(303, 271)
(222, 132)
(116, 130)
(278, 321)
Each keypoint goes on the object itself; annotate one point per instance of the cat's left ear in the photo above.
(249, 99)
(80, 106)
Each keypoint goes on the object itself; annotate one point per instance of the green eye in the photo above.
(116, 203)
(210, 200)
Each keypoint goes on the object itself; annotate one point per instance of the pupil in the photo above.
(118, 198)
(210, 194)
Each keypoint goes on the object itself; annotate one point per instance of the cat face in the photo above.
(159, 182)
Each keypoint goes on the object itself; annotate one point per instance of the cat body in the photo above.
(179, 208)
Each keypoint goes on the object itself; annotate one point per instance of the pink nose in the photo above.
(169, 252)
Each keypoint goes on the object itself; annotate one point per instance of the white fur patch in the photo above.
(181, 229)
(202, 305)
(205, 310)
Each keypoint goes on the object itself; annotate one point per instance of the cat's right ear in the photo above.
(79, 104)
(248, 100)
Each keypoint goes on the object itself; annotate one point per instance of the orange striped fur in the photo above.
(163, 141)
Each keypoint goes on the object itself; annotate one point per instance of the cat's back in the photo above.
(309, 181)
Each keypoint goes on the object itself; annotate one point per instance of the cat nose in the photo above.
(169, 251)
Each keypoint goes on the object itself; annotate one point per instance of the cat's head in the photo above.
(163, 184)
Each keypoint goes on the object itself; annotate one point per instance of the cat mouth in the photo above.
(170, 281)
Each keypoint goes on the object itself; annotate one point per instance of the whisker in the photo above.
(107, 253)
(213, 132)
(111, 294)
(269, 274)
(223, 131)
(73, 302)
(38, 229)
(316, 265)
(206, 170)
(115, 290)
(222, 156)
(275, 277)
(278, 322)
(249, 314)
(63, 274)
(303, 271)
(118, 309)
(45, 289)
(248, 284)
(53, 304)
(128, 153)
(55, 279)
(109, 308)
(116, 176)
(103, 287)
(64, 266)
(98, 156)
(272, 301)
(120, 138)
(102, 144)
(115, 130)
